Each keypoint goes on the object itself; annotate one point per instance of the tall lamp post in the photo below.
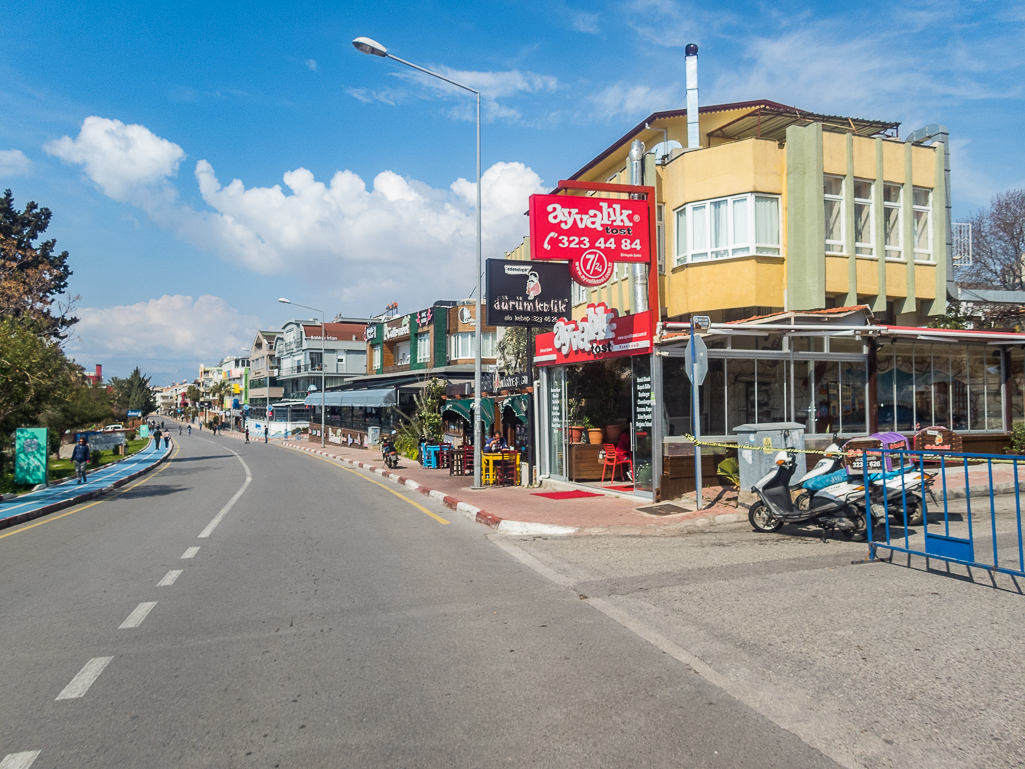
(323, 356)
(373, 48)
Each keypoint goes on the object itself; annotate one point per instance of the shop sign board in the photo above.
(567, 227)
(134, 413)
(516, 381)
(602, 333)
(424, 317)
(397, 331)
(30, 455)
(370, 333)
(643, 403)
(526, 293)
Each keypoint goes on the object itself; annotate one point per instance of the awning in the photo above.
(518, 404)
(369, 399)
(462, 408)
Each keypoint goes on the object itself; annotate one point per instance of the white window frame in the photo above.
(402, 353)
(894, 253)
(834, 246)
(423, 347)
(579, 293)
(922, 255)
(865, 247)
(685, 216)
(660, 236)
(377, 357)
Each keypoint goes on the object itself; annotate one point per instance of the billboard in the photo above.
(526, 293)
(598, 229)
(30, 455)
(601, 333)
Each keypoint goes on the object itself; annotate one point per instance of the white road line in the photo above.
(86, 676)
(170, 577)
(136, 617)
(231, 502)
(190, 553)
(19, 760)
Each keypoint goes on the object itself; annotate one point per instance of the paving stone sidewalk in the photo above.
(517, 510)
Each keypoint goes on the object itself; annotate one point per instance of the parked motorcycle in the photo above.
(827, 471)
(839, 507)
(902, 490)
(389, 453)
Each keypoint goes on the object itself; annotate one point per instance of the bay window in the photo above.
(722, 228)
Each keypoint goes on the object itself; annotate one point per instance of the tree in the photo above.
(998, 244)
(82, 405)
(33, 278)
(133, 393)
(516, 349)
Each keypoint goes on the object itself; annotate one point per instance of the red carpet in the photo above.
(565, 494)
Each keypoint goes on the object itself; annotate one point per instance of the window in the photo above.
(461, 346)
(579, 293)
(864, 225)
(423, 347)
(377, 358)
(832, 191)
(660, 237)
(921, 211)
(487, 344)
(402, 354)
(717, 229)
(892, 215)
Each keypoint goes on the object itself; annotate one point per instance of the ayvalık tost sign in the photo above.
(601, 333)
(526, 293)
(566, 227)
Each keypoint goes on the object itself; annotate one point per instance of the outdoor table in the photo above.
(430, 456)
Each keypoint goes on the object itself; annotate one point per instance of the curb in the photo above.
(492, 521)
(30, 515)
(523, 528)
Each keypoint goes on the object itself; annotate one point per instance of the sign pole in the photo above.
(695, 418)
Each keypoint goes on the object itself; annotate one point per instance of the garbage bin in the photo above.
(757, 445)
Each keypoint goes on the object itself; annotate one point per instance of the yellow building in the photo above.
(777, 209)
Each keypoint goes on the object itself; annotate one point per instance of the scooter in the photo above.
(839, 507)
(389, 454)
(902, 490)
(827, 471)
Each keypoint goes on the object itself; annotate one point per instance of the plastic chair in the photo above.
(615, 458)
(507, 469)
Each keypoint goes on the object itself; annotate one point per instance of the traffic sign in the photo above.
(701, 322)
(697, 369)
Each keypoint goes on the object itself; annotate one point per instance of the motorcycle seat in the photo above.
(822, 481)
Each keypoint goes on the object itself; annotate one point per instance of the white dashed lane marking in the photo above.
(190, 553)
(136, 617)
(86, 676)
(170, 577)
(19, 760)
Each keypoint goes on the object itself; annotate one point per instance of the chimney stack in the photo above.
(693, 138)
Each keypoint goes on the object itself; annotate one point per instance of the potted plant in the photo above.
(594, 434)
(574, 407)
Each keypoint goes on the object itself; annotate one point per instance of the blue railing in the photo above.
(963, 492)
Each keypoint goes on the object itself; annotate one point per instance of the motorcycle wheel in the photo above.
(858, 533)
(915, 516)
(762, 519)
(803, 501)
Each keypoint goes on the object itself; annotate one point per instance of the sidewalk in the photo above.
(68, 492)
(517, 510)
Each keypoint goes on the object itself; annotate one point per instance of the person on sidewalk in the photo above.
(167, 440)
(156, 438)
(189, 429)
(179, 429)
(266, 432)
(80, 456)
(247, 435)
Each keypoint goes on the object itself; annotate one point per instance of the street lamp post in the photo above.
(323, 356)
(373, 48)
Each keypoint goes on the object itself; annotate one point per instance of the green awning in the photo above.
(463, 408)
(518, 404)
(487, 407)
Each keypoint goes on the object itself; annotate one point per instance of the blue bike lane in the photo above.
(69, 492)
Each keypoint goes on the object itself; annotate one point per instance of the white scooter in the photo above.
(826, 471)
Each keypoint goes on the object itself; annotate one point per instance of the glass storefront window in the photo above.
(804, 383)
(771, 392)
(556, 422)
(827, 397)
(923, 387)
(958, 389)
(904, 380)
(713, 402)
(1017, 384)
(994, 400)
(853, 397)
(740, 393)
(976, 390)
(846, 344)
(808, 343)
(676, 394)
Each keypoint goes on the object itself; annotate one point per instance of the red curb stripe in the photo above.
(449, 501)
(488, 519)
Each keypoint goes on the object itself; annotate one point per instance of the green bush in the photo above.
(407, 445)
(1018, 436)
(94, 456)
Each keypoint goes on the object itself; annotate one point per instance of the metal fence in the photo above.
(959, 508)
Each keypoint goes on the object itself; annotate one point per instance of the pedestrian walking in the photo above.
(266, 432)
(179, 429)
(167, 440)
(247, 435)
(156, 439)
(189, 429)
(80, 456)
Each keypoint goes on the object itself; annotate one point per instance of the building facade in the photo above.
(264, 387)
(303, 354)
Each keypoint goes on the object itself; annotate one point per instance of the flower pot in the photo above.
(612, 433)
(594, 435)
(576, 433)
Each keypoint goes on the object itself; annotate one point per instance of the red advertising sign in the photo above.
(566, 227)
(591, 268)
(601, 333)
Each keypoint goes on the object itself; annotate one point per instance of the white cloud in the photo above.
(120, 159)
(14, 163)
(312, 64)
(585, 22)
(636, 100)
(168, 329)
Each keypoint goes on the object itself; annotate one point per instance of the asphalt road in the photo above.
(327, 620)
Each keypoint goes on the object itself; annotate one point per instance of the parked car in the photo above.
(112, 428)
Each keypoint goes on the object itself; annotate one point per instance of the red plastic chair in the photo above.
(614, 459)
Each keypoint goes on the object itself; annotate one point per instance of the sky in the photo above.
(203, 159)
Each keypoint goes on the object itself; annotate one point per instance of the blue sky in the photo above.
(203, 159)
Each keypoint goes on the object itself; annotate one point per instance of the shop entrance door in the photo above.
(557, 433)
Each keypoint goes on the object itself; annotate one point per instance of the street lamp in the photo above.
(374, 48)
(323, 356)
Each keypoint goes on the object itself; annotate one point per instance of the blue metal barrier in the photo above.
(946, 479)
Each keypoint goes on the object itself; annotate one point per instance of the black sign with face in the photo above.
(527, 293)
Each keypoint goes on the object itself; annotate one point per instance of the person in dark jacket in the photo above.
(80, 456)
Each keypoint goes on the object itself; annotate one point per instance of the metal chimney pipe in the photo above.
(639, 271)
(693, 138)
